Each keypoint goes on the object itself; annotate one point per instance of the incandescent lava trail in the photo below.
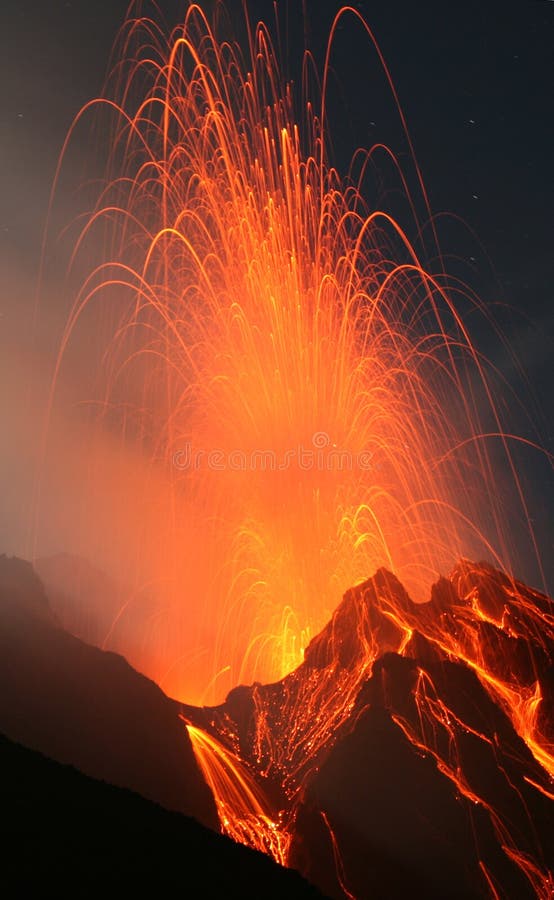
(305, 389)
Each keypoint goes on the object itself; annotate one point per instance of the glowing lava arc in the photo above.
(315, 386)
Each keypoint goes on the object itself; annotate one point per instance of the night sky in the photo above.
(475, 82)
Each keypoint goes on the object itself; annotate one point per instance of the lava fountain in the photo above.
(282, 358)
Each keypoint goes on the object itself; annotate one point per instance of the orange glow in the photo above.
(296, 388)
(304, 404)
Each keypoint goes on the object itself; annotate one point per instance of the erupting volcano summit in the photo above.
(285, 394)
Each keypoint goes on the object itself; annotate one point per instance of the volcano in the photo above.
(412, 748)
(265, 379)
(410, 752)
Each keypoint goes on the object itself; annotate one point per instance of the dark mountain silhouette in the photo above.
(65, 835)
(80, 705)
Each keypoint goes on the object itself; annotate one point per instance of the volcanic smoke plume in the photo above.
(293, 376)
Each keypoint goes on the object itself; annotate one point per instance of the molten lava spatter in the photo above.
(300, 384)
(242, 807)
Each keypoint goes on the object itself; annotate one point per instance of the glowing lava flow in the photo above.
(241, 806)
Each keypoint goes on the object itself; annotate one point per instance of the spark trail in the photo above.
(283, 351)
